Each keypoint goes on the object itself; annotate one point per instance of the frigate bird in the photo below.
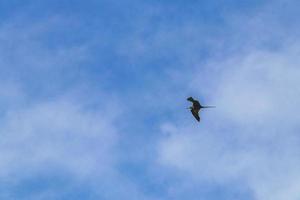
(196, 108)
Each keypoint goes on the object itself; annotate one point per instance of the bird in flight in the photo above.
(196, 108)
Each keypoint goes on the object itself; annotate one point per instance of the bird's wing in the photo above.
(196, 115)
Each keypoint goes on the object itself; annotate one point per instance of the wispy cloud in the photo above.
(92, 100)
(59, 137)
(252, 139)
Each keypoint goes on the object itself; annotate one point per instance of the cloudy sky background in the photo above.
(93, 97)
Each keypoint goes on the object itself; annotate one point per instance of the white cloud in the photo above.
(261, 88)
(58, 133)
(72, 133)
(37, 132)
(253, 135)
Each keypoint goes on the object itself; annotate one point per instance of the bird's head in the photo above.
(190, 99)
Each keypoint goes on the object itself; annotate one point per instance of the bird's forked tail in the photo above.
(208, 106)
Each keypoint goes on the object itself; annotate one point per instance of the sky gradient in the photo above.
(93, 100)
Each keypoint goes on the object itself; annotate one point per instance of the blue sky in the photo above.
(93, 100)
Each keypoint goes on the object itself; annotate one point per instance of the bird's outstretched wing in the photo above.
(196, 115)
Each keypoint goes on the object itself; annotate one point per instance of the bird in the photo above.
(196, 107)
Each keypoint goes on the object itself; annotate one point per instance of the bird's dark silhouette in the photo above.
(196, 108)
